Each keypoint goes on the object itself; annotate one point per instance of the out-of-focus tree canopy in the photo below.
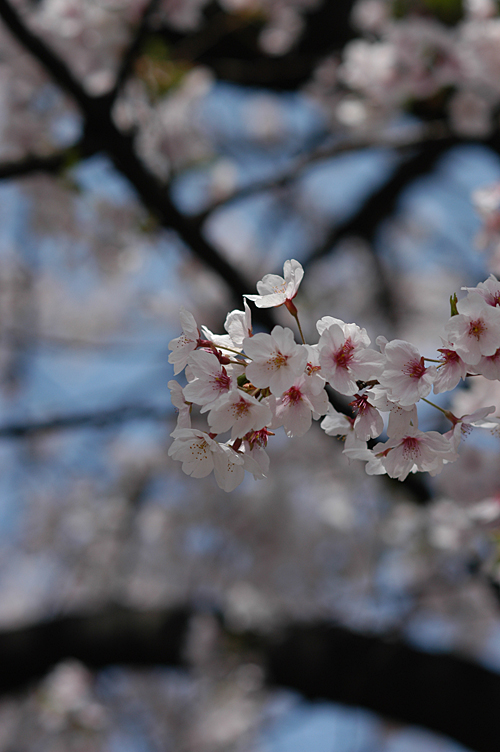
(170, 153)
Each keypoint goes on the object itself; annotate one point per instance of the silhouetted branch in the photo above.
(445, 693)
(102, 135)
(95, 419)
(133, 50)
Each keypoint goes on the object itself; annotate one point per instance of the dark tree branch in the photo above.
(444, 693)
(54, 66)
(229, 45)
(29, 165)
(102, 134)
(133, 50)
(383, 202)
(96, 419)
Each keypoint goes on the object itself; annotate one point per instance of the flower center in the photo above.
(222, 381)
(411, 448)
(415, 368)
(240, 408)
(292, 396)
(279, 360)
(477, 328)
(449, 356)
(360, 403)
(343, 356)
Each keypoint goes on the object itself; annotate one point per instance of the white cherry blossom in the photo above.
(451, 370)
(239, 412)
(405, 375)
(368, 423)
(488, 290)
(195, 449)
(211, 379)
(238, 325)
(229, 468)
(276, 359)
(183, 346)
(416, 450)
(475, 331)
(296, 407)
(275, 290)
(338, 424)
(345, 357)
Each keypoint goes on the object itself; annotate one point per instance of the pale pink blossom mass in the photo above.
(252, 385)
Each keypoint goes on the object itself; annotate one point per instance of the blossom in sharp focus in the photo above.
(276, 359)
(228, 467)
(451, 370)
(405, 375)
(338, 424)
(478, 419)
(296, 407)
(238, 325)
(275, 290)
(475, 331)
(195, 449)
(488, 290)
(345, 357)
(183, 346)
(416, 450)
(368, 423)
(211, 379)
(239, 412)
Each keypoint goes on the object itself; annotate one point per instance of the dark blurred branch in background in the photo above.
(442, 692)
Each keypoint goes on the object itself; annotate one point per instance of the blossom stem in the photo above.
(445, 412)
(296, 317)
(230, 349)
(433, 360)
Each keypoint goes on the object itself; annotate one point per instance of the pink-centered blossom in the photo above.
(276, 359)
(239, 412)
(211, 379)
(475, 331)
(368, 422)
(478, 419)
(345, 357)
(296, 407)
(195, 449)
(275, 290)
(416, 450)
(451, 370)
(405, 376)
(488, 290)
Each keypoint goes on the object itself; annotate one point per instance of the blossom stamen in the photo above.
(344, 354)
(411, 449)
(477, 328)
(415, 368)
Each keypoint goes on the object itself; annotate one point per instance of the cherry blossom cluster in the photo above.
(250, 384)
(448, 59)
